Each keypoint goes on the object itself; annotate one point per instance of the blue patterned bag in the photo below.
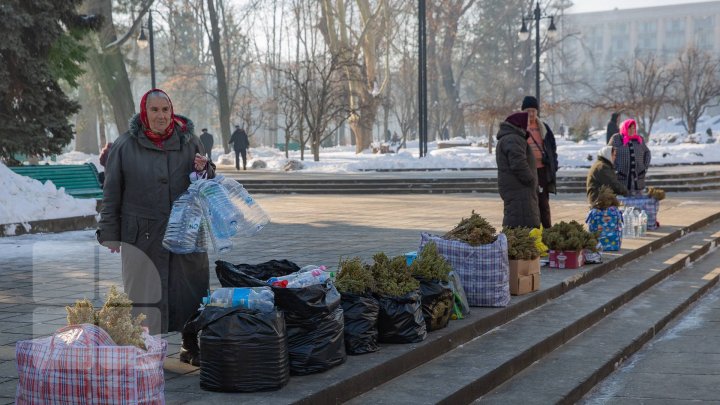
(609, 223)
(483, 270)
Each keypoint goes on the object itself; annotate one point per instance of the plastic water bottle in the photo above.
(643, 222)
(254, 218)
(183, 228)
(630, 220)
(638, 223)
(258, 298)
(300, 279)
(223, 215)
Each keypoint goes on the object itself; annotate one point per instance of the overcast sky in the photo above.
(583, 6)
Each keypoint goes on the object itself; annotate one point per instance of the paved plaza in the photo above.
(40, 274)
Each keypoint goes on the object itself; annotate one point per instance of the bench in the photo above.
(292, 146)
(80, 181)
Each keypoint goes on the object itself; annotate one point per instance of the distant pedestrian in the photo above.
(612, 127)
(517, 177)
(633, 157)
(544, 148)
(241, 143)
(602, 173)
(104, 153)
(207, 140)
(445, 134)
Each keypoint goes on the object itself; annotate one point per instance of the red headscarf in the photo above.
(152, 136)
(625, 131)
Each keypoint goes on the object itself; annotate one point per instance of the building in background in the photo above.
(600, 39)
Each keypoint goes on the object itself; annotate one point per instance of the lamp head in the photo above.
(142, 40)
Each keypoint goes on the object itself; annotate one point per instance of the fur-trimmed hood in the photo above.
(135, 128)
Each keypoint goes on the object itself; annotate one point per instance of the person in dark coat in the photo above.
(241, 143)
(147, 169)
(544, 148)
(633, 157)
(103, 160)
(612, 127)
(517, 177)
(207, 140)
(602, 173)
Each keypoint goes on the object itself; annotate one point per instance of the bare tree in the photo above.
(640, 87)
(697, 86)
(357, 50)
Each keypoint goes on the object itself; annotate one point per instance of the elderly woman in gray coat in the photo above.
(147, 169)
(517, 177)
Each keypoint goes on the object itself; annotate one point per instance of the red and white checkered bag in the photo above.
(80, 364)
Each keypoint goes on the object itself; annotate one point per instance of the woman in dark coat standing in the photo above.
(517, 177)
(633, 157)
(148, 168)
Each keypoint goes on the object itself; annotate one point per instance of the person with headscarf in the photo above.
(517, 176)
(602, 173)
(633, 157)
(148, 167)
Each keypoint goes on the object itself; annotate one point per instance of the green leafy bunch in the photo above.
(430, 264)
(569, 236)
(114, 317)
(475, 230)
(354, 277)
(606, 198)
(521, 246)
(393, 277)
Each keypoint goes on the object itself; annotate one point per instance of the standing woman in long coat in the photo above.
(517, 176)
(147, 169)
(633, 157)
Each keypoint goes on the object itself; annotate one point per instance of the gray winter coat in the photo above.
(517, 177)
(141, 183)
(632, 162)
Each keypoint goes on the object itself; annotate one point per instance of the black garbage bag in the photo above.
(241, 350)
(272, 268)
(361, 316)
(313, 319)
(401, 320)
(231, 275)
(437, 304)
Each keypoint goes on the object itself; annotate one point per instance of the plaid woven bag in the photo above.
(80, 364)
(649, 204)
(484, 270)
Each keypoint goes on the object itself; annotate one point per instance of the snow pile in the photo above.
(24, 199)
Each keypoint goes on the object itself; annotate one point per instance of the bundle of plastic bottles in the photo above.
(306, 276)
(210, 214)
(257, 298)
(634, 223)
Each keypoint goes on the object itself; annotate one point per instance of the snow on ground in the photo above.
(30, 200)
(24, 199)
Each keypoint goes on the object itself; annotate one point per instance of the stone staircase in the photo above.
(550, 346)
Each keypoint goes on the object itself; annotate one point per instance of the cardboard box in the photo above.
(524, 267)
(570, 259)
(524, 276)
(525, 284)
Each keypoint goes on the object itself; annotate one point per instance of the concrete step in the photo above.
(475, 368)
(572, 370)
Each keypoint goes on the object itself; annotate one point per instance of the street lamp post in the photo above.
(524, 35)
(422, 79)
(143, 41)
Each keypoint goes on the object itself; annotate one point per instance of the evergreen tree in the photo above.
(40, 47)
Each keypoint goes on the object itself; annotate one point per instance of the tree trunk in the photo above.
(223, 99)
(86, 123)
(109, 67)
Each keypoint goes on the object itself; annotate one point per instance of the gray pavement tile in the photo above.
(8, 388)
(678, 363)
(688, 344)
(8, 369)
(7, 400)
(672, 386)
(7, 352)
(647, 401)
